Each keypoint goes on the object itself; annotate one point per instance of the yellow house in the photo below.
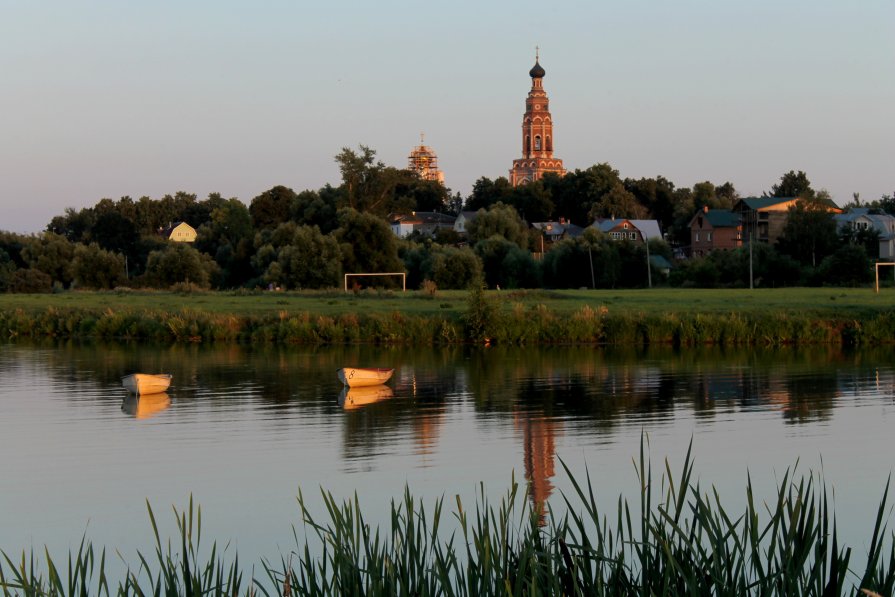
(180, 232)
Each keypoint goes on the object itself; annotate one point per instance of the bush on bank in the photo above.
(484, 322)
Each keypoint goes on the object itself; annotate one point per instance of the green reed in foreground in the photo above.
(677, 540)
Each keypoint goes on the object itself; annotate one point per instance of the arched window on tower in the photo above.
(549, 144)
(537, 143)
(527, 144)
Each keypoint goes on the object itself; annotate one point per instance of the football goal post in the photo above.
(884, 264)
(402, 274)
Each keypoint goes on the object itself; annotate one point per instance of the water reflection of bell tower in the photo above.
(539, 434)
(537, 134)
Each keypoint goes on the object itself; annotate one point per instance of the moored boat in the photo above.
(355, 377)
(146, 383)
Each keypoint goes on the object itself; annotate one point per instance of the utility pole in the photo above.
(649, 270)
(751, 238)
(590, 256)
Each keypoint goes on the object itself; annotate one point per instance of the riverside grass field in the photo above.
(823, 302)
(773, 317)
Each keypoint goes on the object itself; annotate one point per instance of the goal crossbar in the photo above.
(402, 274)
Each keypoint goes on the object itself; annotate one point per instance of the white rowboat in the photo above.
(145, 383)
(355, 377)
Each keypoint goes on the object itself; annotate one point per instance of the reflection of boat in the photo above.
(145, 383)
(352, 398)
(357, 377)
(148, 405)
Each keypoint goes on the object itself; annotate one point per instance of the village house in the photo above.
(554, 231)
(424, 222)
(463, 220)
(712, 229)
(624, 229)
(180, 232)
(764, 218)
(861, 218)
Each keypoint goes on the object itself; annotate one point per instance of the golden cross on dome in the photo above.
(422, 138)
(537, 53)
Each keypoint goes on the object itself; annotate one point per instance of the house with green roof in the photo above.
(764, 218)
(712, 229)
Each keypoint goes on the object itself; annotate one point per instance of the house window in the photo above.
(625, 226)
(697, 236)
(633, 236)
(708, 237)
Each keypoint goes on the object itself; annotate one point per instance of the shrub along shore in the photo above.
(629, 317)
(676, 539)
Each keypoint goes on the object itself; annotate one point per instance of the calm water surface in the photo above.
(242, 430)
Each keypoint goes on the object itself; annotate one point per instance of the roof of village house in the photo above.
(882, 222)
(434, 217)
(167, 231)
(558, 228)
(760, 203)
(649, 229)
(659, 262)
(719, 218)
(422, 217)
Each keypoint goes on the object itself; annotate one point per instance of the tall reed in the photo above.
(675, 539)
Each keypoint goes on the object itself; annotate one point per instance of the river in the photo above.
(242, 429)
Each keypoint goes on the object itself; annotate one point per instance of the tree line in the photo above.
(308, 239)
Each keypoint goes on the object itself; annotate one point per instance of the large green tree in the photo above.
(179, 263)
(51, 254)
(575, 194)
(793, 184)
(487, 192)
(228, 237)
(367, 243)
(809, 234)
(499, 220)
(307, 259)
(94, 267)
(272, 207)
(618, 203)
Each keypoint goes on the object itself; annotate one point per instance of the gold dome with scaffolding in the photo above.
(424, 161)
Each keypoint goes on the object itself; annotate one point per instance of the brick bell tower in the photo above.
(537, 134)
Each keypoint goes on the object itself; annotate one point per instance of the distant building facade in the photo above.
(712, 229)
(537, 135)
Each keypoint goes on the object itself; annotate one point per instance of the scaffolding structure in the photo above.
(424, 162)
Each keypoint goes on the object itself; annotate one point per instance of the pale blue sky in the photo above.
(104, 99)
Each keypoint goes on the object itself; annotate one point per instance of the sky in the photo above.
(108, 99)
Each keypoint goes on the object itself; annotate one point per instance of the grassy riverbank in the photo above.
(677, 540)
(661, 316)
